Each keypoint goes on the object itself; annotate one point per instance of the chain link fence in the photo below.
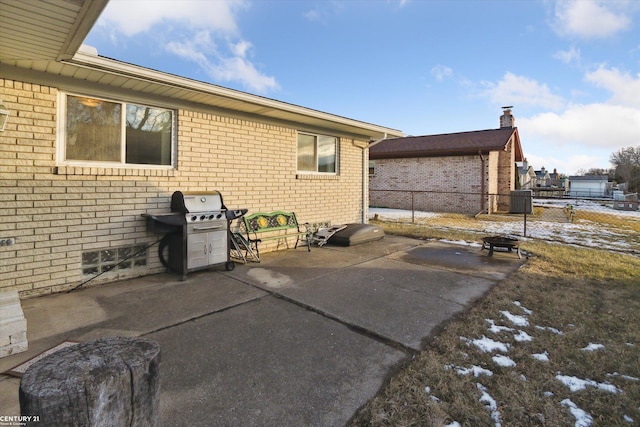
(603, 223)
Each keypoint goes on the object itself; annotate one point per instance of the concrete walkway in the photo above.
(298, 339)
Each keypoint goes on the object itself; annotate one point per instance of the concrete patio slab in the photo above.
(302, 338)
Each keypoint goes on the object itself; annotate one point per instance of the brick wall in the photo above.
(506, 177)
(454, 183)
(57, 213)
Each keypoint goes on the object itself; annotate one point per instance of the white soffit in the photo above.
(45, 29)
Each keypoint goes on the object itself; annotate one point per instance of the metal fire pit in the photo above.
(508, 243)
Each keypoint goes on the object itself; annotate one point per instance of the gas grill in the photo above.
(196, 232)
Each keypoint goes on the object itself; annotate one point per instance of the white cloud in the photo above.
(203, 51)
(568, 56)
(568, 163)
(138, 16)
(590, 18)
(624, 87)
(595, 125)
(440, 72)
(522, 91)
(204, 32)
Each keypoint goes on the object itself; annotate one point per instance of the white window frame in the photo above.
(61, 137)
(316, 136)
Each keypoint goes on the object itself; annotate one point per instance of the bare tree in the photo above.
(627, 166)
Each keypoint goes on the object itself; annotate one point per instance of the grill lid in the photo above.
(185, 202)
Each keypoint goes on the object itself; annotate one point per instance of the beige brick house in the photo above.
(466, 172)
(92, 143)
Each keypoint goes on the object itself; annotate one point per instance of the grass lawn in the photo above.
(556, 344)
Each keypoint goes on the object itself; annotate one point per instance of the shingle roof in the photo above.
(449, 144)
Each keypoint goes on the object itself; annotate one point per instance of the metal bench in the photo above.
(277, 225)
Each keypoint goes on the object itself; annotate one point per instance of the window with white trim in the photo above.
(100, 131)
(317, 153)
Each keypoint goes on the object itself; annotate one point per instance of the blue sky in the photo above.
(570, 68)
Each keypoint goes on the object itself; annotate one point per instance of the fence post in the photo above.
(413, 212)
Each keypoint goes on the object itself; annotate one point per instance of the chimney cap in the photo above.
(508, 107)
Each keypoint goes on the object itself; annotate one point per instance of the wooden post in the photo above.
(108, 382)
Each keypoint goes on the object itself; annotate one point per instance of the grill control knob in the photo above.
(219, 216)
(202, 217)
(211, 216)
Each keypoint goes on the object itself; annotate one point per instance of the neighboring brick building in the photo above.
(73, 189)
(467, 172)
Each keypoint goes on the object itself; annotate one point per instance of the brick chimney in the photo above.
(506, 119)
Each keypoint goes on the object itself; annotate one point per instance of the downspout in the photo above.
(365, 177)
(482, 182)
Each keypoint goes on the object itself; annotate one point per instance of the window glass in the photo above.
(306, 152)
(326, 154)
(317, 153)
(93, 130)
(148, 135)
(116, 132)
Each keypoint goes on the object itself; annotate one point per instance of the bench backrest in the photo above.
(263, 222)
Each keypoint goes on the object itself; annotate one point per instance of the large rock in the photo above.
(108, 382)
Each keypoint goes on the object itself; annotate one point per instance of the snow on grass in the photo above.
(526, 310)
(626, 377)
(496, 329)
(592, 347)
(583, 233)
(515, 319)
(583, 419)
(490, 403)
(522, 336)
(427, 390)
(550, 329)
(543, 357)
(487, 345)
(476, 371)
(577, 384)
(504, 361)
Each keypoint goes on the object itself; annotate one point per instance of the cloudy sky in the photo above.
(570, 68)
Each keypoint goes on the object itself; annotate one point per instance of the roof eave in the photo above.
(292, 111)
(431, 153)
(84, 22)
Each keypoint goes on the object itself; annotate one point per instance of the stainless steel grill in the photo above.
(196, 232)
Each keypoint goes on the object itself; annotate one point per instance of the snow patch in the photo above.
(504, 361)
(626, 377)
(515, 319)
(543, 357)
(549, 328)
(475, 370)
(583, 419)
(522, 336)
(526, 310)
(487, 344)
(497, 328)
(577, 384)
(592, 347)
(490, 403)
